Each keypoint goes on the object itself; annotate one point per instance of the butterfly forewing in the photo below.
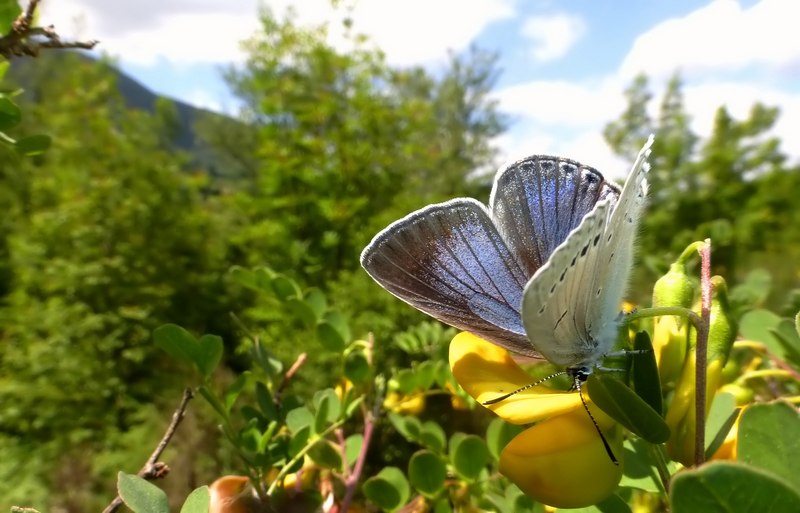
(450, 261)
(613, 274)
(537, 201)
(556, 302)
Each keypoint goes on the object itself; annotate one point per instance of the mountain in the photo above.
(26, 73)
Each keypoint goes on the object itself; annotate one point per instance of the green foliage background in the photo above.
(113, 232)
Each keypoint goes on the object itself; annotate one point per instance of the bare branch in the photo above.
(154, 469)
(24, 39)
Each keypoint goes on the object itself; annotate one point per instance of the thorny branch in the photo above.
(154, 469)
(25, 39)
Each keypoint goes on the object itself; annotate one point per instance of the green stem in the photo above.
(657, 453)
(691, 250)
(660, 311)
(300, 455)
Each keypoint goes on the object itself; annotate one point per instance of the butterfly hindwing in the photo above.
(537, 201)
(449, 261)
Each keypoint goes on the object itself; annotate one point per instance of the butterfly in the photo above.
(540, 271)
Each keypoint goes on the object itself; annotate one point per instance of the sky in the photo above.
(564, 64)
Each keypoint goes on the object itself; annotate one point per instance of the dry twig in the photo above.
(154, 469)
(25, 39)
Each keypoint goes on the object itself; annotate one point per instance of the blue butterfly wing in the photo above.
(537, 201)
(449, 261)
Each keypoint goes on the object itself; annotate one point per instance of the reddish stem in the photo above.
(701, 353)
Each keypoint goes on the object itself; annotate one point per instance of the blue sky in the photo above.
(564, 63)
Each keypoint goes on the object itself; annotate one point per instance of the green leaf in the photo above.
(301, 311)
(33, 145)
(757, 325)
(645, 372)
(197, 501)
(639, 472)
(213, 401)
(235, 389)
(352, 447)
(330, 338)
(722, 487)
(409, 427)
(768, 439)
(797, 323)
(324, 454)
(339, 322)
(140, 495)
(498, 434)
(356, 366)
(720, 419)
(316, 301)
(407, 381)
(611, 504)
(425, 372)
(786, 334)
(432, 436)
(389, 489)
(427, 473)
(469, 457)
(299, 440)
(209, 354)
(321, 420)
(265, 401)
(271, 366)
(334, 405)
(299, 418)
(176, 342)
(627, 408)
(284, 288)
(10, 114)
(9, 11)
(754, 290)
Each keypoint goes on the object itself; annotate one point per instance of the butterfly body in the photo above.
(541, 271)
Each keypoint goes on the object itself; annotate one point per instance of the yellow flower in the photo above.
(728, 449)
(561, 461)
(411, 404)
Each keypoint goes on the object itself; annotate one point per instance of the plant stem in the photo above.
(300, 455)
(659, 311)
(701, 353)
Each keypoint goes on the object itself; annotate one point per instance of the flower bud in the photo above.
(670, 331)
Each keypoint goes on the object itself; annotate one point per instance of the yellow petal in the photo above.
(486, 371)
(562, 462)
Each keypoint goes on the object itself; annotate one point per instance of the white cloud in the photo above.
(188, 31)
(562, 103)
(567, 118)
(553, 35)
(722, 36)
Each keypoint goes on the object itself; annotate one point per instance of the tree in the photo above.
(723, 187)
(107, 238)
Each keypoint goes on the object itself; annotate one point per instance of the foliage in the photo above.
(735, 187)
(341, 143)
(322, 447)
(111, 235)
(105, 238)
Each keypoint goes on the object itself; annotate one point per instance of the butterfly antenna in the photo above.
(522, 389)
(596, 426)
